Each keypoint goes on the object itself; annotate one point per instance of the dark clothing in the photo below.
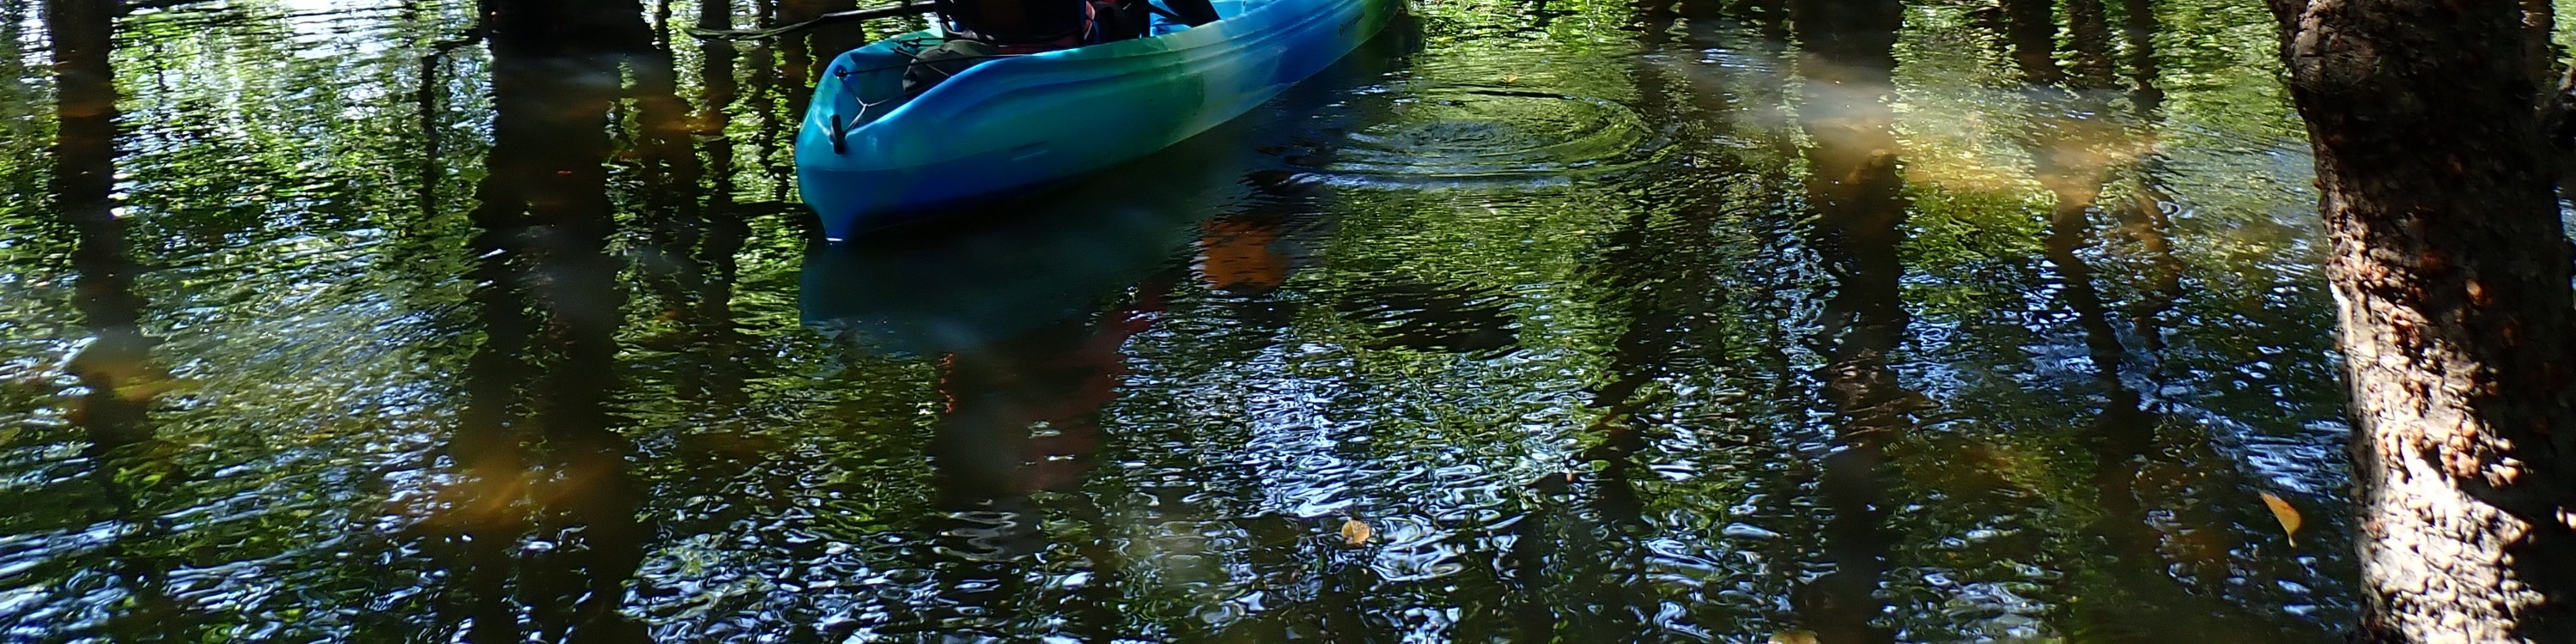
(949, 59)
(1193, 12)
(1018, 22)
(1049, 24)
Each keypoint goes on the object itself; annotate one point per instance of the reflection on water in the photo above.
(1736, 321)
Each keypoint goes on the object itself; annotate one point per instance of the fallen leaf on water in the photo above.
(1793, 637)
(1356, 532)
(2289, 516)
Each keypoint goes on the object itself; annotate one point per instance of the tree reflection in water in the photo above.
(1857, 195)
(546, 514)
(1761, 362)
(2080, 144)
(1022, 416)
(132, 466)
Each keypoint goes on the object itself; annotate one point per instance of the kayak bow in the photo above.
(867, 158)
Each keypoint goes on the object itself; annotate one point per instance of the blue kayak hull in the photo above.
(1017, 123)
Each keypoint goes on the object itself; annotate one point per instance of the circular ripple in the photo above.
(1495, 134)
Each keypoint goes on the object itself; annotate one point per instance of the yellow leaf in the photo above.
(2288, 516)
(1793, 637)
(1356, 532)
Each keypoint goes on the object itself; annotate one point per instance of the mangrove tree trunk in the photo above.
(2450, 271)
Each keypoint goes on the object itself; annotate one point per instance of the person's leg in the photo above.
(1015, 22)
(1120, 20)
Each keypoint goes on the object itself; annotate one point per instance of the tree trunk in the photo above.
(2451, 274)
(2538, 18)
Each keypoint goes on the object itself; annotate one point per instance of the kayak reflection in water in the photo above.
(983, 29)
(1023, 414)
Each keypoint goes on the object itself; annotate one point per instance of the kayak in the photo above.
(965, 284)
(867, 158)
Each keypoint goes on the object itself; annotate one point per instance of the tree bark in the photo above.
(2538, 18)
(2450, 271)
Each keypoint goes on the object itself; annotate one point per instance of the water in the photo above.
(330, 321)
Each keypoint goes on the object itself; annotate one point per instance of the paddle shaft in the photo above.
(1192, 13)
(836, 17)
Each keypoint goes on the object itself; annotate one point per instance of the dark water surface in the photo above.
(1945, 321)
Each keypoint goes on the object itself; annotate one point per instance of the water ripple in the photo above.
(1489, 135)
